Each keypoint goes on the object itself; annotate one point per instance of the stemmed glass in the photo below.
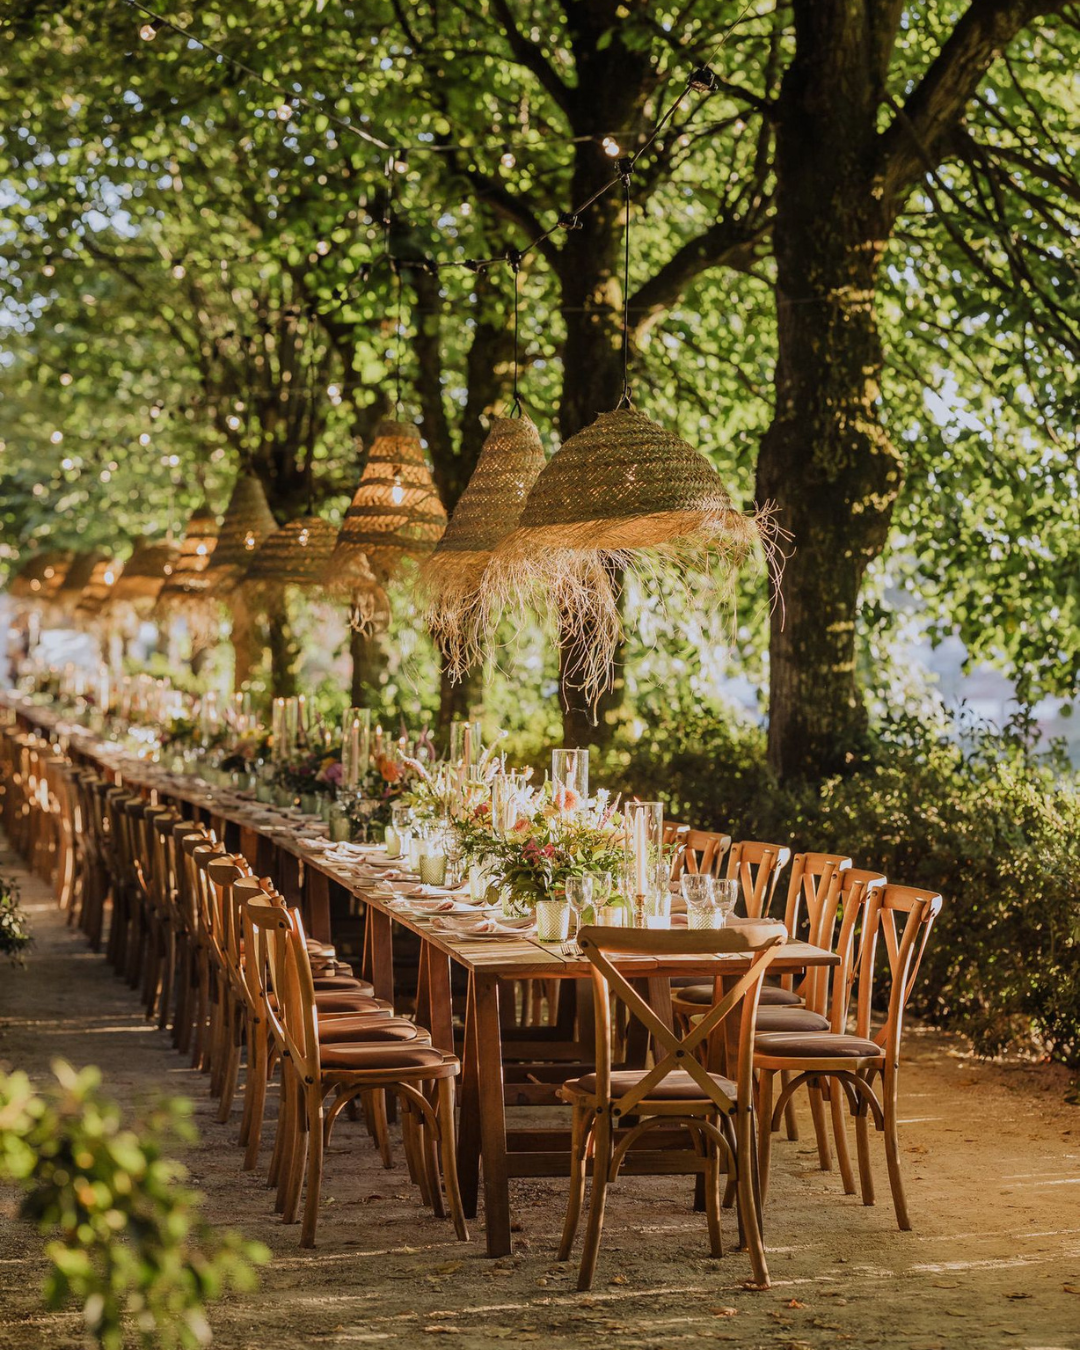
(579, 896)
(699, 892)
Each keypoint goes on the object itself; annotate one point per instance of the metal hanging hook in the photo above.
(513, 258)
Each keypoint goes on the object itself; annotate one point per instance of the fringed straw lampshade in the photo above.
(246, 523)
(96, 592)
(622, 493)
(41, 576)
(77, 577)
(395, 514)
(452, 578)
(296, 555)
(144, 574)
(186, 592)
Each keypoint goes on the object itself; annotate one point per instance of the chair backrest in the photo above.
(757, 867)
(265, 922)
(827, 989)
(903, 917)
(674, 839)
(760, 941)
(704, 851)
(224, 873)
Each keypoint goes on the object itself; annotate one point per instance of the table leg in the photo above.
(318, 904)
(492, 1116)
(380, 952)
(469, 1126)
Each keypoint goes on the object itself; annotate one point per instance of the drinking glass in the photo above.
(727, 894)
(698, 889)
(552, 921)
(570, 778)
(579, 896)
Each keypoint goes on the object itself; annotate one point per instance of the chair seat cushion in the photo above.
(346, 1000)
(365, 1027)
(344, 983)
(816, 1045)
(772, 996)
(790, 1019)
(373, 1056)
(678, 1086)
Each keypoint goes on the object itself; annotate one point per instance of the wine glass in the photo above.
(579, 896)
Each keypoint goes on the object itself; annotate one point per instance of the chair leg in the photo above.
(892, 1154)
(382, 1128)
(231, 1069)
(594, 1224)
(301, 1143)
(764, 1139)
(791, 1120)
(821, 1132)
(255, 1095)
(837, 1102)
(430, 1160)
(713, 1196)
(448, 1156)
(316, 1142)
(749, 1202)
(862, 1144)
(579, 1140)
(168, 976)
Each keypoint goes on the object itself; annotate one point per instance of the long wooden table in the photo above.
(501, 1064)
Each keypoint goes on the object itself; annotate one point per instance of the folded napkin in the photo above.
(441, 904)
(467, 926)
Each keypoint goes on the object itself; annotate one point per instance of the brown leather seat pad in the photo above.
(676, 1087)
(364, 1027)
(790, 1019)
(771, 996)
(359, 1056)
(810, 1045)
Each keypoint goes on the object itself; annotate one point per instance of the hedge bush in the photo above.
(958, 807)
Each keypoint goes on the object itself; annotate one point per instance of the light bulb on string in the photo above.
(148, 31)
(284, 111)
(611, 147)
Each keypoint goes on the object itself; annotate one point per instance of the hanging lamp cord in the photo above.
(513, 257)
(627, 399)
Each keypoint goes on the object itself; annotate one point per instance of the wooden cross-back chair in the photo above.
(314, 1069)
(185, 836)
(703, 851)
(757, 866)
(898, 919)
(347, 1010)
(678, 1090)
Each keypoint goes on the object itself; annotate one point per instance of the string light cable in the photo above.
(701, 80)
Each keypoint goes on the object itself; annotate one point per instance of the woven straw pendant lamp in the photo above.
(186, 592)
(41, 576)
(78, 575)
(296, 555)
(144, 574)
(97, 590)
(622, 493)
(246, 523)
(451, 580)
(396, 514)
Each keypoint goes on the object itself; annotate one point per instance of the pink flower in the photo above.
(566, 799)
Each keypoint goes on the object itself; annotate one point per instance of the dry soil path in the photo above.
(991, 1152)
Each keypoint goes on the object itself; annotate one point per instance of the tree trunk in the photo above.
(284, 655)
(457, 699)
(368, 663)
(825, 461)
(592, 383)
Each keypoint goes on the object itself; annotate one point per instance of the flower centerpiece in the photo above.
(552, 837)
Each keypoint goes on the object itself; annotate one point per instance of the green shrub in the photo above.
(126, 1241)
(959, 808)
(14, 933)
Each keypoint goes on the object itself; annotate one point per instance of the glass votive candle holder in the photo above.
(612, 916)
(340, 826)
(417, 845)
(552, 920)
(705, 916)
(433, 869)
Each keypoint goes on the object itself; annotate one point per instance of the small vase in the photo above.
(309, 803)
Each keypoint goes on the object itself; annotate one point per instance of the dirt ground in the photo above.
(991, 1150)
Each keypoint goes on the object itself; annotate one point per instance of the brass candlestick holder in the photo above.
(639, 911)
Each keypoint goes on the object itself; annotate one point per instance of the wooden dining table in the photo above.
(505, 1065)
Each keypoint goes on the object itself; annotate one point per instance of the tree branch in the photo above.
(529, 55)
(937, 102)
(724, 244)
